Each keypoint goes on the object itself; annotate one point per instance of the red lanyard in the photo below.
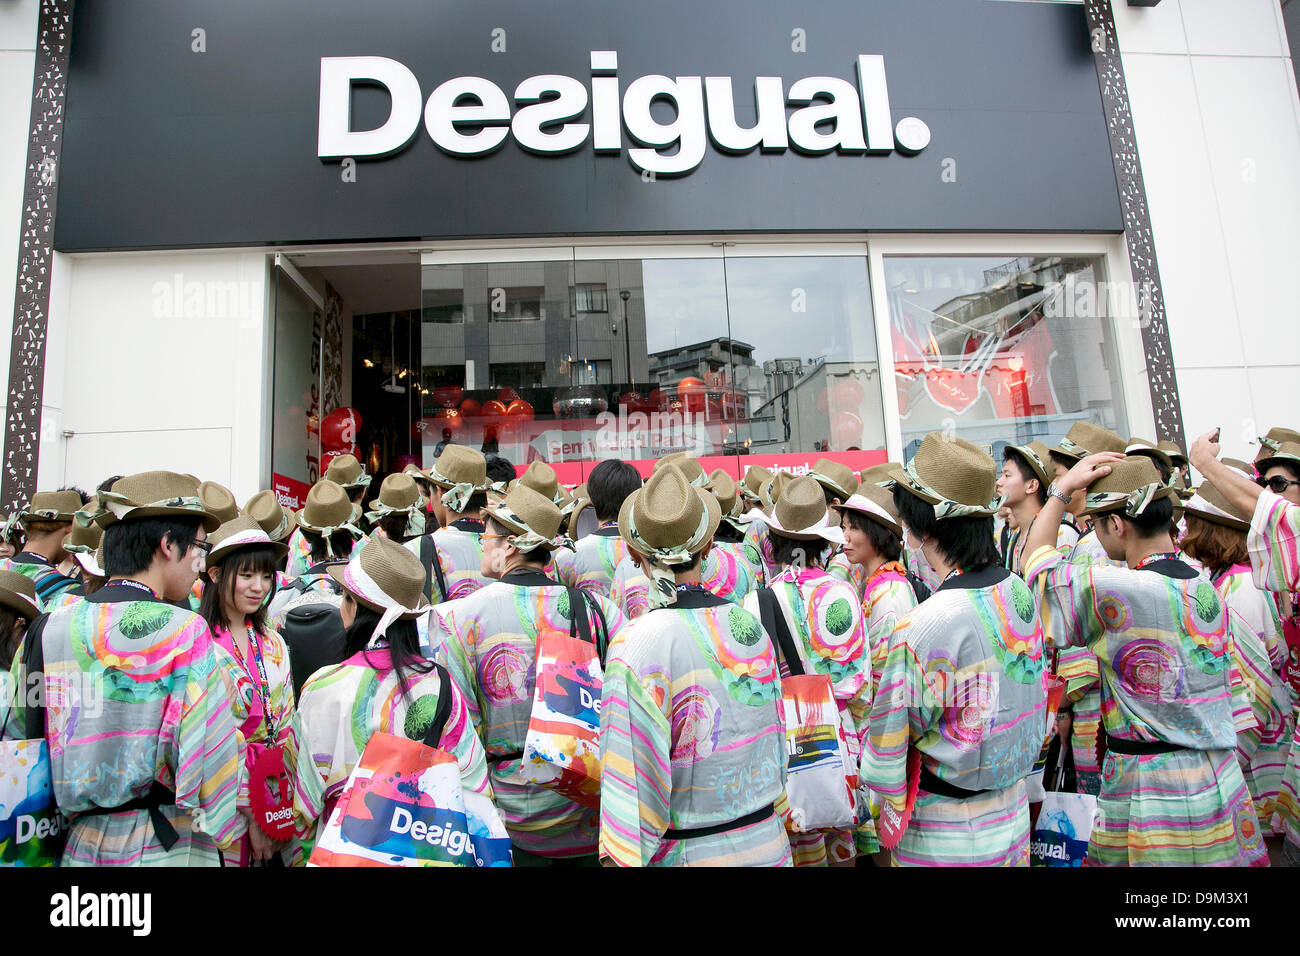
(255, 646)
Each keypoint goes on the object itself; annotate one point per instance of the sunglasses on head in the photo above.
(1278, 484)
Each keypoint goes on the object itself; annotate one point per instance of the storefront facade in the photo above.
(762, 236)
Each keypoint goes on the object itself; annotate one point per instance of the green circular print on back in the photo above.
(744, 627)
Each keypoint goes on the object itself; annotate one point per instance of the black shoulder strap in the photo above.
(580, 623)
(773, 621)
(432, 568)
(920, 590)
(34, 663)
(433, 736)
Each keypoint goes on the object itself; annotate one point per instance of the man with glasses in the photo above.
(143, 753)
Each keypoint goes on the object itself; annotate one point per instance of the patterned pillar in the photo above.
(32, 291)
(1137, 223)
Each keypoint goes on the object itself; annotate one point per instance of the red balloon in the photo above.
(339, 428)
(690, 386)
(449, 419)
(507, 395)
(493, 408)
(656, 401)
(520, 409)
(448, 396)
(328, 456)
(847, 395)
(846, 429)
(470, 408)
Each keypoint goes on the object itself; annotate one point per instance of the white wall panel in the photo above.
(1231, 27)
(1219, 397)
(1157, 29)
(18, 20)
(15, 112)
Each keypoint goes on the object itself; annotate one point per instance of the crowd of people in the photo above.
(1076, 619)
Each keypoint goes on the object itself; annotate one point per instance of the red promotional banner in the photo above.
(289, 491)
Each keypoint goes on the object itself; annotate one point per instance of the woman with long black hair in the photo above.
(255, 670)
(385, 684)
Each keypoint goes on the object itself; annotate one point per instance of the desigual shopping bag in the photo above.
(822, 776)
(1063, 830)
(403, 805)
(32, 830)
(562, 746)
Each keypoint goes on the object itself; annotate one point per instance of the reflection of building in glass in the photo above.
(533, 324)
(819, 407)
(725, 366)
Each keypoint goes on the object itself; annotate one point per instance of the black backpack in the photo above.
(313, 633)
(432, 569)
(919, 589)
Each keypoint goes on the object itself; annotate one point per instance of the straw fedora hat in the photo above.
(276, 520)
(526, 512)
(723, 487)
(1287, 451)
(1238, 464)
(1174, 452)
(153, 494)
(1210, 505)
(1085, 438)
(875, 503)
(18, 593)
(801, 512)
(84, 540)
(458, 465)
(773, 489)
(839, 479)
(345, 470)
(240, 532)
(1132, 484)
(877, 474)
(399, 492)
(953, 474)
(327, 508)
(756, 478)
(688, 464)
(415, 471)
(1141, 446)
(1276, 436)
(385, 577)
(59, 506)
(581, 502)
(668, 513)
(1036, 456)
(540, 477)
(218, 500)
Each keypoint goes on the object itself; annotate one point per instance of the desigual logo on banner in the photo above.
(833, 114)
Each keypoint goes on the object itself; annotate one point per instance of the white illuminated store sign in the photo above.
(851, 119)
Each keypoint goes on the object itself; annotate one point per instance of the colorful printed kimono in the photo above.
(343, 705)
(916, 562)
(51, 583)
(887, 597)
(135, 698)
(758, 545)
(320, 589)
(596, 560)
(490, 649)
(1273, 543)
(855, 574)
(964, 685)
(691, 739)
(1262, 749)
(461, 555)
(1161, 637)
(825, 620)
(241, 677)
(1067, 536)
(299, 557)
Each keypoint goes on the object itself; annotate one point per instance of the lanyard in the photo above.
(1156, 556)
(139, 586)
(683, 588)
(255, 646)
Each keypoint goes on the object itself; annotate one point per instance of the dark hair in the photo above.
(500, 469)
(727, 532)
(1216, 546)
(403, 645)
(1059, 459)
(810, 551)
(394, 525)
(43, 526)
(84, 497)
(259, 559)
(1156, 519)
(340, 541)
(129, 546)
(830, 495)
(886, 543)
(966, 543)
(609, 485)
(8, 639)
(107, 483)
(1027, 472)
(1292, 468)
(541, 557)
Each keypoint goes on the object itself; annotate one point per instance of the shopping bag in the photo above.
(1063, 830)
(562, 746)
(894, 821)
(1034, 783)
(32, 830)
(820, 782)
(403, 805)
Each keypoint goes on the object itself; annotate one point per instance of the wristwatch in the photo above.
(1055, 492)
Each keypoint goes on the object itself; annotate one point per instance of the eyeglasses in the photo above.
(1278, 484)
(205, 545)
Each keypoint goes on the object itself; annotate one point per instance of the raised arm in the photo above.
(1241, 491)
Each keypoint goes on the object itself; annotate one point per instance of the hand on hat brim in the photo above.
(1087, 471)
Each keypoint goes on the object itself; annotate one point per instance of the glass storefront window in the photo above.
(1002, 348)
